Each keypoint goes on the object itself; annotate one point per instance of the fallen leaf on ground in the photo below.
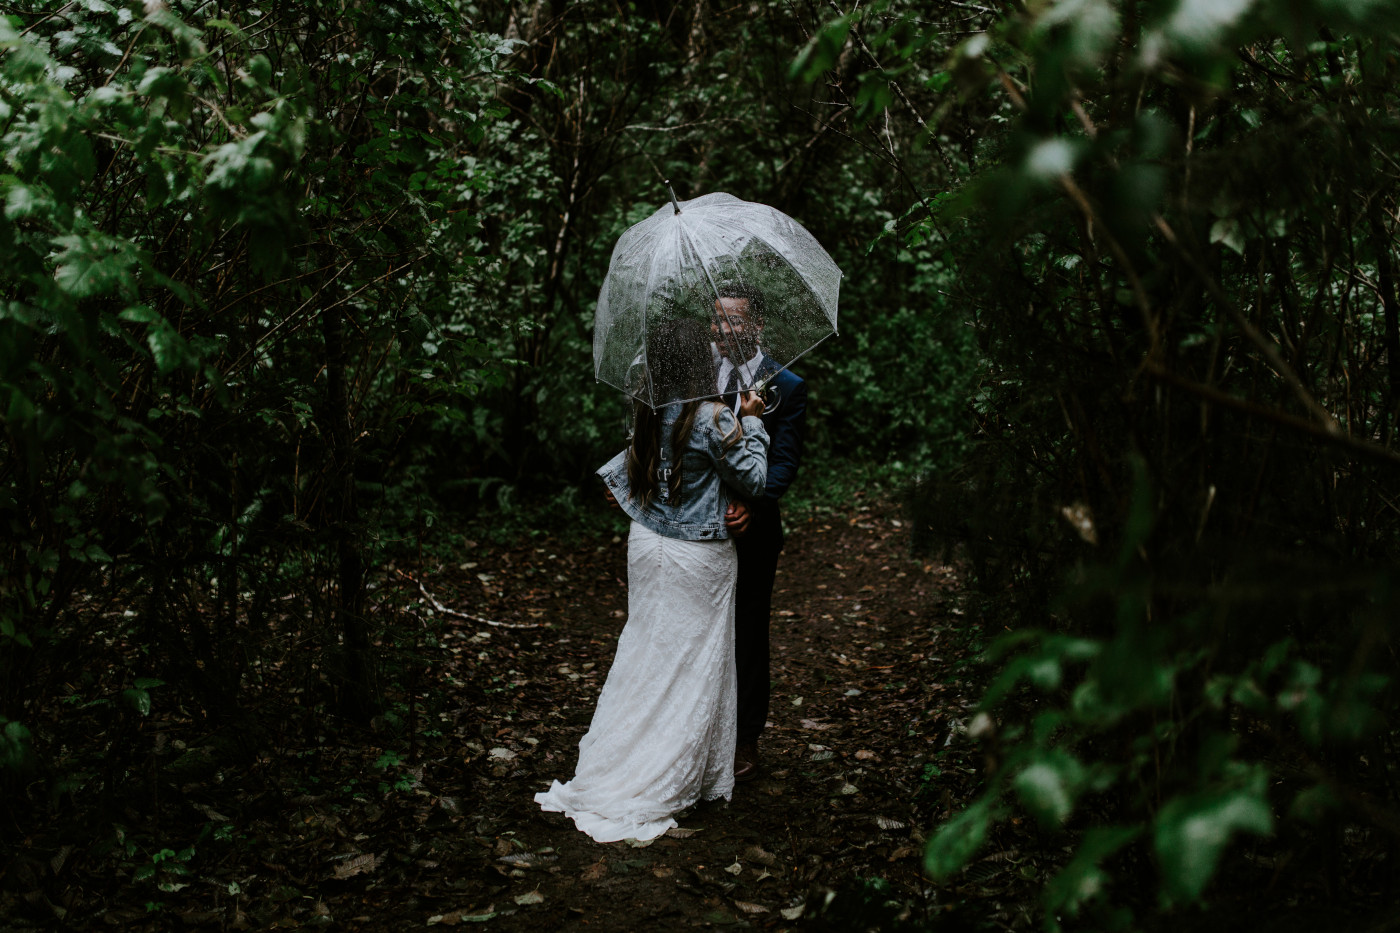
(360, 864)
(462, 916)
(681, 832)
(756, 854)
(528, 860)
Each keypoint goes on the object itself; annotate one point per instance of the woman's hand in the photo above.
(751, 403)
(736, 517)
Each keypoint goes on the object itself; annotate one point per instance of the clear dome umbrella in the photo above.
(676, 265)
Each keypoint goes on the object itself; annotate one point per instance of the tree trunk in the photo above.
(355, 691)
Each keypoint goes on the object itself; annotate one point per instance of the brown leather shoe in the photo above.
(745, 762)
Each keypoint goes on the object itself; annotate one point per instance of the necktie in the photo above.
(731, 387)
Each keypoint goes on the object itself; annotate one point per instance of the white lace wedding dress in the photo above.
(663, 734)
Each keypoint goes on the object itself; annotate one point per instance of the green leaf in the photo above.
(1082, 879)
(1198, 24)
(1048, 786)
(261, 70)
(138, 700)
(231, 28)
(22, 201)
(1227, 230)
(86, 268)
(1091, 27)
(957, 840)
(168, 347)
(1193, 831)
(147, 683)
(139, 314)
(823, 51)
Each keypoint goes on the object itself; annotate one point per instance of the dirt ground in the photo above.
(429, 820)
(856, 760)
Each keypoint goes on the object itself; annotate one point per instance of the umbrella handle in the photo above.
(771, 400)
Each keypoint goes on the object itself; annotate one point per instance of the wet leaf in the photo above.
(793, 913)
(530, 897)
(735, 869)
(756, 854)
(957, 840)
(359, 865)
(462, 916)
(56, 863)
(885, 822)
(681, 832)
(749, 908)
(983, 872)
(529, 860)
(1192, 833)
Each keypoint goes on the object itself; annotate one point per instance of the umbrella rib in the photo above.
(691, 236)
(728, 337)
(787, 262)
(646, 297)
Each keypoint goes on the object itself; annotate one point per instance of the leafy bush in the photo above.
(1179, 246)
(232, 299)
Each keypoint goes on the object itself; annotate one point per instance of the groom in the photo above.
(757, 526)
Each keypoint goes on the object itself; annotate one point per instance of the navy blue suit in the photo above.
(758, 548)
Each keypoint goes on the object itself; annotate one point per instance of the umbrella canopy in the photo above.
(664, 281)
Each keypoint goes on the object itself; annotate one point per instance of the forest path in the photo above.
(857, 763)
(288, 817)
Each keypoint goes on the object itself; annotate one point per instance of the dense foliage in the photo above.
(1180, 247)
(285, 287)
(235, 249)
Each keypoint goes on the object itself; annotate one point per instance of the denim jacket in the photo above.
(708, 472)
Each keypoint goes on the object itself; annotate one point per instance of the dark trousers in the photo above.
(753, 602)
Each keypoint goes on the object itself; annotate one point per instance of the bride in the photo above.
(663, 734)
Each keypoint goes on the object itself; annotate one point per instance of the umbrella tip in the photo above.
(667, 183)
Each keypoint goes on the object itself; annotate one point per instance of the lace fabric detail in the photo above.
(663, 733)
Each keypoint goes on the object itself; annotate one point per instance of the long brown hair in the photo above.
(681, 368)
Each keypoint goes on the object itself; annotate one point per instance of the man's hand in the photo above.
(736, 518)
(612, 500)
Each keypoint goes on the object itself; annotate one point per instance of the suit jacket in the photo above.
(787, 432)
(787, 428)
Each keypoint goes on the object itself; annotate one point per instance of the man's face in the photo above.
(732, 329)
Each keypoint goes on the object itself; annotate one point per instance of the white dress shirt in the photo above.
(748, 374)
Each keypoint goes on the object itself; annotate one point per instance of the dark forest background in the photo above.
(288, 291)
